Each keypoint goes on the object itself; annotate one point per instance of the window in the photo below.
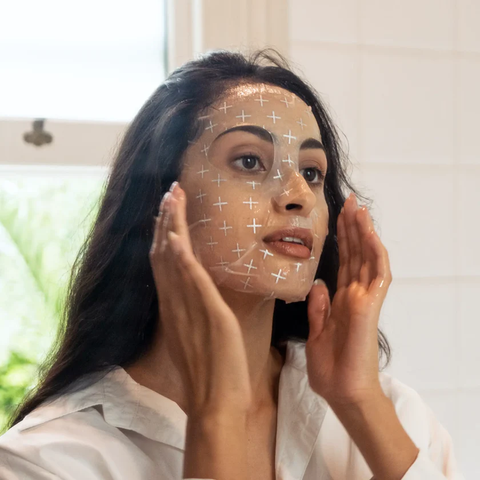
(91, 60)
(86, 68)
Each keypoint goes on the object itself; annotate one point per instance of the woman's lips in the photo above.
(290, 249)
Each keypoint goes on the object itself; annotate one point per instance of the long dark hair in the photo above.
(111, 311)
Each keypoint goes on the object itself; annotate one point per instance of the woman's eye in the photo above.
(313, 175)
(249, 162)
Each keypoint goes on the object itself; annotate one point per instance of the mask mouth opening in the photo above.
(291, 235)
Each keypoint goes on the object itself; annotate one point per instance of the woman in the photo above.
(197, 344)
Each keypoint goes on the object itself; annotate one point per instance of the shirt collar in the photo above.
(129, 405)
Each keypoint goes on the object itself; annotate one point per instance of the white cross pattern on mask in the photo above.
(250, 203)
(218, 180)
(220, 203)
(211, 243)
(210, 127)
(202, 171)
(205, 220)
(285, 101)
(290, 137)
(201, 195)
(278, 276)
(238, 250)
(288, 160)
(261, 100)
(254, 226)
(225, 228)
(225, 106)
(301, 123)
(253, 184)
(221, 262)
(274, 117)
(205, 150)
(249, 266)
(246, 284)
(243, 116)
(265, 253)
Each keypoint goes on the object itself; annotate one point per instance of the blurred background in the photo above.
(401, 79)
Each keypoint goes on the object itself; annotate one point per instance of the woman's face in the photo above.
(256, 169)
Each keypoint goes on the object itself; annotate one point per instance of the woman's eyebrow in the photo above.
(312, 143)
(268, 137)
(258, 131)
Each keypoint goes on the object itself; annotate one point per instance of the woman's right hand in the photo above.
(200, 330)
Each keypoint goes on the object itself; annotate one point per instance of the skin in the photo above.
(288, 191)
(342, 348)
(254, 307)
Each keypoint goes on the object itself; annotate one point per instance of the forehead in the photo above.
(273, 108)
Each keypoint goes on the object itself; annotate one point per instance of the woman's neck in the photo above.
(157, 369)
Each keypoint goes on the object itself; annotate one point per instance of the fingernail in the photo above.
(319, 281)
(172, 186)
(164, 202)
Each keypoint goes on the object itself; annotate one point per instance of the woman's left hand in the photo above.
(342, 347)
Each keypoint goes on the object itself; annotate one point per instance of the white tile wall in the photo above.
(324, 20)
(407, 23)
(418, 317)
(334, 74)
(469, 351)
(406, 107)
(468, 223)
(414, 210)
(468, 69)
(468, 22)
(403, 80)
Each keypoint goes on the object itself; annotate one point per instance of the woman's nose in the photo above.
(295, 194)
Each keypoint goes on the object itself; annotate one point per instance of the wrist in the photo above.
(218, 418)
(367, 401)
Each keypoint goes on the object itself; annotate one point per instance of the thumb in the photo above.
(318, 307)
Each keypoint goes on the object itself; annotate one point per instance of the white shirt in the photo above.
(117, 429)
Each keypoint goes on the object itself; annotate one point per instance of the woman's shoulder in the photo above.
(81, 442)
(416, 416)
(71, 434)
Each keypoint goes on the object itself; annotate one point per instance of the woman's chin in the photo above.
(289, 293)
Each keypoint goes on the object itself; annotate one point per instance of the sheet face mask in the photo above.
(246, 176)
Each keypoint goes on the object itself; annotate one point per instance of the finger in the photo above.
(166, 219)
(180, 224)
(172, 250)
(198, 275)
(365, 226)
(176, 317)
(157, 229)
(343, 272)
(382, 262)
(354, 244)
(318, 309)
(203, 303)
